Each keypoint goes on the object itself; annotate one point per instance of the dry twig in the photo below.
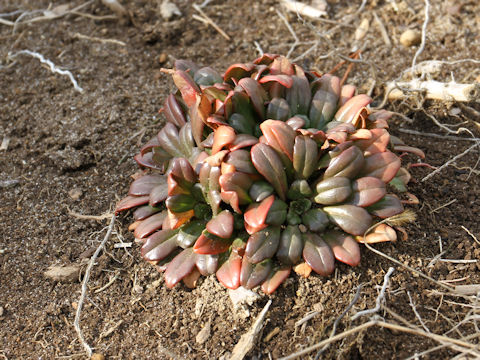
(205, 18)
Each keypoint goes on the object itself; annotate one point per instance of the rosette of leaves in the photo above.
(261, 169)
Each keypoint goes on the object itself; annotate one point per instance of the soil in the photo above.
(72, 152)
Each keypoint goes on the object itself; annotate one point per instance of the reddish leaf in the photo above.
(147, 161)
(173, 111)
(199, 113)
(333, 191)
(318, 254)
(279, 136)
(252, 275)
(348, 164)
(409, 149)
(381, 233)
(257, 95)
(263, 244)
(299, 95)
(238, 71)
(158, 194)
(383, 165)
(189, 233)
(229, 273)
(169, 140)
(188, 88)
(305, 151)
(209, 178)
(281, 65)
(221, 225)
(235, 188)
(181, 177)
(242, 141)
(275, 278)
(284, 80)
(390, 205)
(223, 136)
(350, 111)
(256, 214)
(179, 267)
(268, 163)
(344, 247)
(351, 219)
(207, 246)
(278, 109)
(175, 220)
(159, 245)
(130, 202)
(367, 191)
(149, 225)
(376, 144)
(143, 212)
(346, 93)
(241, 161)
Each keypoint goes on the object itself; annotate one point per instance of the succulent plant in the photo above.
(259, 170)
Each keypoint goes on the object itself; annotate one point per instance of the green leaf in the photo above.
(278, 109)
(252, 275)
(260, 190)
(241, 160)
(298, 95)
(181, 177)
(277, 213)
(257, 95)
(315, 219)
(291, 246)
(173, 111)
(324, 101)
(305, 153)
(189, 233)
(299, 190)
(263, 244)
(333, 190)
(268, 163)
(350, 218)
(207, 76)
(209, 178)
(180, 203)
(241, 124)
(170, 141)
(318, 254)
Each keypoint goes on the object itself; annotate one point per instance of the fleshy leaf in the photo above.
(298, 95)
(260, 190)
(130, 202)
(348, 164)
(367, 191)
(324, 101)
(179, 267)
(350, 111)
(207, 244)
(159, 245)
(350, 218)
(346, 93)
(207, 76)
(257, 95)
(159, 194)
(145, 211)
(209, 178)
(381, 233)
(252, 275)
(170, 141)
(189, 233)
(263, 244)
(198, 117)
(150, 225)
(388, 206)
(291, 245)
(187, 87)
(400, 181)
(238, 71)
(223, 136)
(221, 225)
(376, 144)
(299, 189)
(241, 160)
(282, 79)
(333, 190)
(229, 272)
(278, 109)
(383, 165)
(318, 254)
(173, 111)
(344, 247)
(305, 152)
(207, 264)
(175, 220)
(276, 277)
(409, 149)
(180, 203)
(256, 214)
(268, 163)
(235, 187)
(279, 136)
(145, 184)
(277, 213)
(315, 219)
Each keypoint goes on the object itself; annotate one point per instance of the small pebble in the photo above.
(410, 38)
(162, 58)
(1, 311)
(63, 273)
(75, 194)
(204, 334)
(97, 356)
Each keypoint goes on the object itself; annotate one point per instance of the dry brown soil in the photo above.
(72, 151)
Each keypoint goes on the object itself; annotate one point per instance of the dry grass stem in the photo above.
(417, 315)
(383, 30)
(437, 136)
(89, 217)
(471, 234)
(83, 295)
(97, 39)
(442, 206)
(52, 66)
(208, 20)
(380, 297)
(424, 34)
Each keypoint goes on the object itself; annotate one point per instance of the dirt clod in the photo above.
(410, 38)
(67, 273)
